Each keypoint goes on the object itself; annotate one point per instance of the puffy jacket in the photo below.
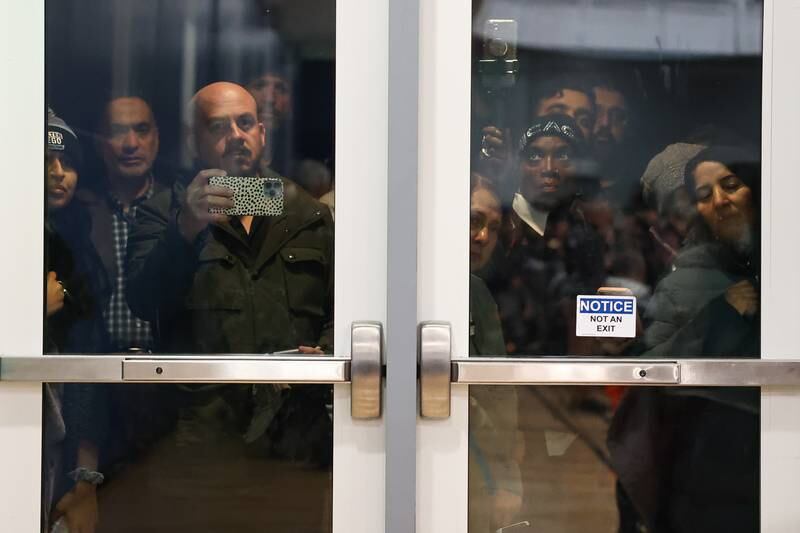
(688, 457)
(689, 302)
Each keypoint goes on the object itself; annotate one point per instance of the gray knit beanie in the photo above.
(664, 174)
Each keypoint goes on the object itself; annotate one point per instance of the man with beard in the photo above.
(617, 164)
(707, 306)
(553, 253)
(272, 90)
(219, 284)
(611, 120)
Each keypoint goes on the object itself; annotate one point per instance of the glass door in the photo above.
(604, 262)
(183, 353)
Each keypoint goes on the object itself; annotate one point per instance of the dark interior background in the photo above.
(672, 94)
(98, 47)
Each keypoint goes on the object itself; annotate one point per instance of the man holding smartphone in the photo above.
(219, 284)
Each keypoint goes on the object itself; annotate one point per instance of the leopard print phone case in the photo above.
(261, 197)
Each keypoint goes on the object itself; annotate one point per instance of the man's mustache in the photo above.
(236, 150)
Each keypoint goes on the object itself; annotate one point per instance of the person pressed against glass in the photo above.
(573, 102)
(219, 284)
(717, 270)
(616, 146)
(550, 251)
(62, 180)
(270, 83)
(485, 219)
(611, 121)
(565, 95)
(547, 172)
(496, 446)
(231, 284)
(273, 95)
(74, 414)
(227, 137)
(76, 282)
(128, 145)
(706, 478)
(725, 202)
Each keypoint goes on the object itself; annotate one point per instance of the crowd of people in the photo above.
(563, 212)
(144, 264)
(558, 209)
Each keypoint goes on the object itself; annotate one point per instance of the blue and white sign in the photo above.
(606, 316)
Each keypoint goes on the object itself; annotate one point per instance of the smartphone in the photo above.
(514, 527)
(261, 197)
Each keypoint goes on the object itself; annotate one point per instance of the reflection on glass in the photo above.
(615, 153)
(180, 458)
(189, 172)
(575, 459)
(589, 138)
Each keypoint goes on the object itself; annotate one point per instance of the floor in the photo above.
(208, 483)
(567, 486)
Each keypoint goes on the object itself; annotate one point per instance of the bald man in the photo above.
(219, 284)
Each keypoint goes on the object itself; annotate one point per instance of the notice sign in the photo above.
(606, 316)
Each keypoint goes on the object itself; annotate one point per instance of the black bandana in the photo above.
(553, 126)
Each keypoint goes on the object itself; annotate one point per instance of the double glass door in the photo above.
(553, 290)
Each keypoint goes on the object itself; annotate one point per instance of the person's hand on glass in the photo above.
(311, 350)
(78, 508)
(55, 294)
(743, 297)
(201, 197)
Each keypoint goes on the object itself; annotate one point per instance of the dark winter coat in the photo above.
(688, 458)
(691, 299)
(222, 294)
(536, 282)
(73, 412)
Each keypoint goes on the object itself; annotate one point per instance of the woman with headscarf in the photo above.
(715, 276)
(688, 458)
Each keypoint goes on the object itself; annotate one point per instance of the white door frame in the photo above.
(360, 276)
(445, 48)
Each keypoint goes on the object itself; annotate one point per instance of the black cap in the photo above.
(61, 138)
